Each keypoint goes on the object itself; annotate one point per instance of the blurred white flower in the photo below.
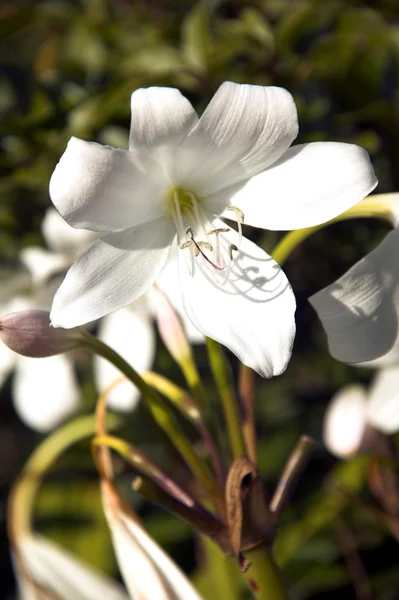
(355, 412)
(46, 571)
(44, 391)
(148, 572)
(166, 192)
(360, 311)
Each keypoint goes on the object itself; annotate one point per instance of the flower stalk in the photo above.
(220, 372)
(161, 414)
(372, 207)
(25, 489)
(263, 576)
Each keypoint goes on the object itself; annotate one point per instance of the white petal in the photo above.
(244, 129)
(252, 313)
(148, 572)
(61, 573)
(383, 406)
(45, 391)
(169, 283)
(104, 189)
(309, 185)
(345, 421)
(62, 238)
(359, 311)
(112, 273)
(129, 332)
(42, 264)
(161, 120)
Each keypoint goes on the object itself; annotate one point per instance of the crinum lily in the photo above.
(168, 191)
(360, 311)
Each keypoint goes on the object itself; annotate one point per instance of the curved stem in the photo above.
(377, 207)
(162, 415)
(26, 487)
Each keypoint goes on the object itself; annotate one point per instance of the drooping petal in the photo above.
(244, 129)
(105, 189)
(59, 574)
(345, 421)
(42, 264)
(252, 313)
(62, 238)
(45, 391)
(161, 120)
(149, 574)
(310, 184)
(358, 311)
(383, 405)
(113, 272)
(129, 332)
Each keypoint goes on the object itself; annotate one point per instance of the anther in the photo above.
(238, 212)
(232, 248)
(186, 244)
(206, 245)
(220, 230)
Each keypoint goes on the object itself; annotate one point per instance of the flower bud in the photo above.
(170, 326)
(29, 333)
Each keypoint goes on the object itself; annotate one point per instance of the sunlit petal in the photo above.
(113, 272)
(252, 313)
(105, 189)
(244, 130)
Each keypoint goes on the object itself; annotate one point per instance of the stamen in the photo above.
(220, 230)
(206, 245)
(240, 220)
(189, 232)
(238, 212)
(177, 217)
(186, 245)
(232, 248)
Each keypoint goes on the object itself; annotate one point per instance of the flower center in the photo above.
(204, 240)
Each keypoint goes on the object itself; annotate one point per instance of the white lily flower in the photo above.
(47, 571)
(179, 175)
(148, 572)
(360, 311)
(354, 411)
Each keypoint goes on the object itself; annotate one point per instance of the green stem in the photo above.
(26, 488)
(219, 576)
(221, 375)
(263, 576)
(376, 207)
(161, 413)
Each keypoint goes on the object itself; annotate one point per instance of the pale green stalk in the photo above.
(26, 488)
(161, 413)
(371, 207)
(263, 576)
(220, 372)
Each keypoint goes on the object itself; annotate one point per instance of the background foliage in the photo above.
(68, 68)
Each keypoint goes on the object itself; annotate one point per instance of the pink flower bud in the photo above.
(29, 333)
(170, 326)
